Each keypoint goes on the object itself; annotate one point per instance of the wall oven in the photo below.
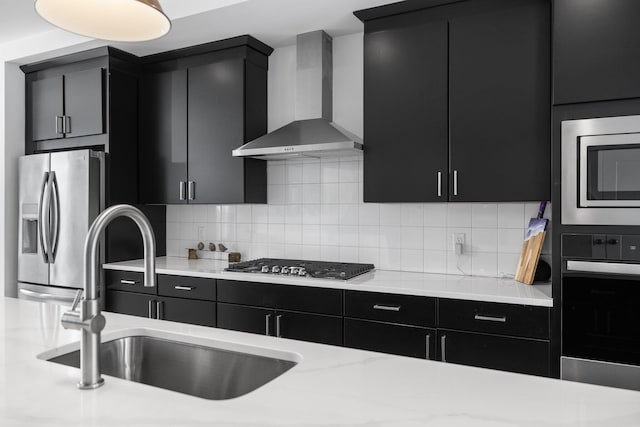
(601, 171)
(601, 309)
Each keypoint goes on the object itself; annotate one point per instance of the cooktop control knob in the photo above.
(275, 269)
(302, 272)
(293, 270)
(285, 270)
(265, 268)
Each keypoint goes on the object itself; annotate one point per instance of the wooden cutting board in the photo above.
(532, 246)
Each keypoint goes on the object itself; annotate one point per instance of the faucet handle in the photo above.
(76, 300)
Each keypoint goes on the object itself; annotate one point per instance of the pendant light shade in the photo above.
(115, 20)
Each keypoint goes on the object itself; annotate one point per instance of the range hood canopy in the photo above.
(313, 133)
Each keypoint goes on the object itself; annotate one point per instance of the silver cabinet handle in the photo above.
(267, 321)
(128, 282)
(183, 190)
(59, 125)
(150, 309)
(42, 219)
(428, 346)
(439, 184)
(278, 318)
(183, 288)
(443, 347)
(159, 310)
(66, 124)
(455, 182)
(386, 307)
(191, 187)
(501, 319)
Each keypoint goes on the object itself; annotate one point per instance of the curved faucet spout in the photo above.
(91, 260)
(88, 319)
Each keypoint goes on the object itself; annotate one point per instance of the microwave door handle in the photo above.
(43, 218)
(55, 217)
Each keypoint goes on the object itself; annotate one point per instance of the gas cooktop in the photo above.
(300, 268)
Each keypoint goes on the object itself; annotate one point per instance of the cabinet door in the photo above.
(521, 355)
(246, 319)
(163, 137)
(309, 327)
(186, 311)
(595, 50)
(216, 127)
(402, 340)
(500, 103)
(83, 103)
(131, 303)
(405, 113)
(46, 108)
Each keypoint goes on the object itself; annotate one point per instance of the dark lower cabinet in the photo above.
(521, 355)
(130, 303)
(403, 340)
(186, 311)
(243, 318)
(281, 323)
(163, 308)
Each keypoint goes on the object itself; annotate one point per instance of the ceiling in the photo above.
(275, 22)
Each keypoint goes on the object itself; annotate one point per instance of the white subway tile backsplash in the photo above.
(390, 214)
(484, 215)
(459, 215)
(510, 215)
(315, 211)
(412, 215)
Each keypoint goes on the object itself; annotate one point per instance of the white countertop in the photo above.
(331, 386)
(475, 288)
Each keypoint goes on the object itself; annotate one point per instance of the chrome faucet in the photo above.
(88, 319)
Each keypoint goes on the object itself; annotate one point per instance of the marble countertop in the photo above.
(330, 386)
(475, 288)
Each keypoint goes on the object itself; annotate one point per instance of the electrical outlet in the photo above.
(458, 243)
(201, 233)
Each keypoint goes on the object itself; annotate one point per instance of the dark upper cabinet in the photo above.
(405, 107)
(66, 105)
(595, 50)
(457, 102)
(163, 120)
(198, 104)
(499, 106)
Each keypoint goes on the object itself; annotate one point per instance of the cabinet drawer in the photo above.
(522, 355)
(298, 298)
(131, 281)
(187, 287)
(412, 341)
(407, 309)
(494, 318)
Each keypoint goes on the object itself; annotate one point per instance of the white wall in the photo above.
(315, 208)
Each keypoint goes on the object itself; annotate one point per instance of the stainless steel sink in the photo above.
(207, 372)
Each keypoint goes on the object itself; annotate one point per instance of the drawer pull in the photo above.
(267, 321)
(443, 347)
(501, 319)
(183, 288)
(386, 307)
(128, 282)
(278, 333)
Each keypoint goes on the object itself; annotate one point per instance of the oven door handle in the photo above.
(603, 267)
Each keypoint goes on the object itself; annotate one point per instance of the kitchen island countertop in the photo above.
(330, 386)
(490, 289)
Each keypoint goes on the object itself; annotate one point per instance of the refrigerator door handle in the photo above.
(44, 297)
(55, 217)
(43, 218)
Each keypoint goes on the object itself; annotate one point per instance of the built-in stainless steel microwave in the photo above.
(601, 171)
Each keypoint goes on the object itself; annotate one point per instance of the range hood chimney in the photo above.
(313, 133)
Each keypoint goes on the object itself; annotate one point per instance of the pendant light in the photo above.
(114, 20)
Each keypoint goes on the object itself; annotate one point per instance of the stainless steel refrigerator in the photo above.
(60, 194)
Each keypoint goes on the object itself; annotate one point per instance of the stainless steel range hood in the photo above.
(313, 133)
